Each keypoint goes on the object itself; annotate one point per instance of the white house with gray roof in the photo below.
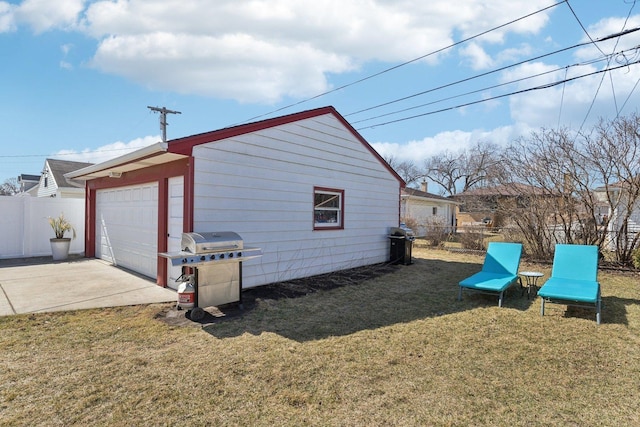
(53, 182)
(424, 209)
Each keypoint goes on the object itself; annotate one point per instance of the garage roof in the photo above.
(148, 156)
(164, 152)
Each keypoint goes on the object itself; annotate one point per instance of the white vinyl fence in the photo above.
(25, 229)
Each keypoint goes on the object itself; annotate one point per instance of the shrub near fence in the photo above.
(25, 228)
(473, 238)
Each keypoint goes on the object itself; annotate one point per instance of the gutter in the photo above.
(145, 152)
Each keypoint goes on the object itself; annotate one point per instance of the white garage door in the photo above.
(127, 227)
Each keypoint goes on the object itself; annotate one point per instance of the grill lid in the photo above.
(402, 232)
(202, 248)
(207, 242)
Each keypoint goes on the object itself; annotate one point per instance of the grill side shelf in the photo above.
(191, 259)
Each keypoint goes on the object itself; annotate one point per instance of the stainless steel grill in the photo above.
(202, 248)
(215, 259)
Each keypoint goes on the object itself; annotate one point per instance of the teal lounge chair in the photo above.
(499, 271)
(574, 278)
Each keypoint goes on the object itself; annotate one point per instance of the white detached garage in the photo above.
(306, 188)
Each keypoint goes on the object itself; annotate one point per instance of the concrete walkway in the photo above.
(36, 285)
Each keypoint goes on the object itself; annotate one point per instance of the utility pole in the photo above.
(163, 119)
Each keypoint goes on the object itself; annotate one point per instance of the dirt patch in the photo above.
(275, 291)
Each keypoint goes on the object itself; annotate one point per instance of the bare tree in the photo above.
(615, 149)
(581, 181)
(550, 164)
(406, 169)
(445, 170)
(9, 187)
(463, 170)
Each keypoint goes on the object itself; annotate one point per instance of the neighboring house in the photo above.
(616, 217)
(425, 210)
(479, 206)
(53, 182)
(306, 188)
(28, 185)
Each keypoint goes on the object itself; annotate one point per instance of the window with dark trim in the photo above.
(328, 209)
(434, 211)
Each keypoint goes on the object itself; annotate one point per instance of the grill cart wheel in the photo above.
(197, 314)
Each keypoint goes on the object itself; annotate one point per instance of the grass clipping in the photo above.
(395, 348)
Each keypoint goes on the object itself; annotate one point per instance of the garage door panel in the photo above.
(127, 227)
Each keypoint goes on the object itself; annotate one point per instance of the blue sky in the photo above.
(77, 76)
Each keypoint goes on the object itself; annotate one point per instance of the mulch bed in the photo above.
(289, 289)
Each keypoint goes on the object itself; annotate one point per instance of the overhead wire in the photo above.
(540, 87)
(583, 63)
(395, 67)
(637, 81)
(564, 86)
(484, 89)
(404, 98)
(14, 156)
(595, 97)
(387, 70)
(582, 26)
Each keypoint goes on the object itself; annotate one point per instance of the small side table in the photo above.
(531, 279)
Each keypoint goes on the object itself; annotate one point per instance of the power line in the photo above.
(16, 156)
(462, 94)
(483, 74)
(595, 96)
(395, 67)
(590, 62)
(545, 86)
(583, 28)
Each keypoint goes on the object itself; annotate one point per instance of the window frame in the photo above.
(339, 225)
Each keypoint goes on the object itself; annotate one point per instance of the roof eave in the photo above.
(128, 162)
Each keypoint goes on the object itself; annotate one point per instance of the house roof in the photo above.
(182, 147)
(515, 189)
(59, 168)
(28, 182)
(24, 177)
(618, 185)
(412, 192)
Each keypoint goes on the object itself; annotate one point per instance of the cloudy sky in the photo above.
(414, 77)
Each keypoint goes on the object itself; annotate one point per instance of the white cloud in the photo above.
(233, 66)
(478, 57)
(43, 15)
(7, 18)
(107, 152)
(453, 141)
(607, 27)
(264, 50)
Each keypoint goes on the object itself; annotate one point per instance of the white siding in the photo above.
(175, 227)
(422, 211)
(261, 184)
(51, 188)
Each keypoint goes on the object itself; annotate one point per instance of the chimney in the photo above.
(423, 186)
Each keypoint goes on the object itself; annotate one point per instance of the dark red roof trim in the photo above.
(185, 145)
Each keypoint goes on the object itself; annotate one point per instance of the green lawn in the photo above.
(395, 350)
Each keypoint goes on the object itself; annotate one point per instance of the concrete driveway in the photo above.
(36, 285)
